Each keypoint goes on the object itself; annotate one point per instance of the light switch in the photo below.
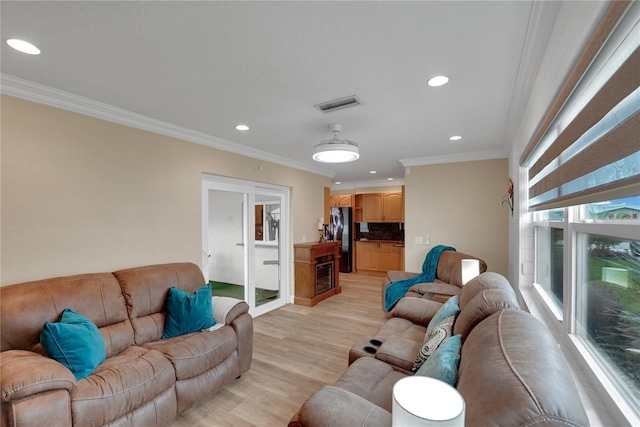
(427, 239)
(419, 240)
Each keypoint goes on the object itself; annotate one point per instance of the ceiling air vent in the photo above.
(337, 104)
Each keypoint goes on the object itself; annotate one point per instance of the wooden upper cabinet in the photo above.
(383, 207)
(372, 207)
(341, 201)
(393, 207)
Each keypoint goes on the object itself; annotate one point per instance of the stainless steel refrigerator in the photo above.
(341, 230)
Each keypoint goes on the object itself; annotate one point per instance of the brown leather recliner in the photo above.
(447, 283)
(145, 380)
(511, 371)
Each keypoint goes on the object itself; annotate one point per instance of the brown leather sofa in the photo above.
(447, 283)
(511, 371)
(145, 380)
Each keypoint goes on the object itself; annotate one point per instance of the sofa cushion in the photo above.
(198, 352)
(75, 342)
(371, 379)
(443, 363)
(480, 283)
(483, 305)
(401, 327)
(398, 352)
(122, 384)
(25, 307)
(434, 338)
(188, 312)
(346, 409)
(522, 367)
(145, 291)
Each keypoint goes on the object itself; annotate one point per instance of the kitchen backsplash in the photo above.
(393, 231)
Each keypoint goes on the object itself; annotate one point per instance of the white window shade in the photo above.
(591, 150)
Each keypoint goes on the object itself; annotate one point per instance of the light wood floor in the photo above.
(297, 350)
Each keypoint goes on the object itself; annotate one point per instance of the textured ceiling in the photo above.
(206, 66)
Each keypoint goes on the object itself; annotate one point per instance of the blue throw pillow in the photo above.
(188, 312)
(443, 363)
(75, 342)
(448, 309)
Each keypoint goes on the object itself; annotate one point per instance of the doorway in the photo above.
(244, 234)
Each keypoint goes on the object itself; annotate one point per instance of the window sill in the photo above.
(602, 401)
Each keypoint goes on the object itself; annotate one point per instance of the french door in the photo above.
(245, 235)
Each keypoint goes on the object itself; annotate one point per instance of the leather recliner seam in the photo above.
(512, 368)
(128, 389)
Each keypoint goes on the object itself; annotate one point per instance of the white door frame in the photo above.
(250, 188)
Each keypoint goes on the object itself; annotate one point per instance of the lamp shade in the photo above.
(423, 401)
(470, 269)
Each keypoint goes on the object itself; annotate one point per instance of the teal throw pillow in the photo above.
(74, 341)
(443, 363)
(188, 312)
(448, 309)
(433, 340)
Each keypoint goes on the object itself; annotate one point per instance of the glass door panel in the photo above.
(267, 248)
(227, 250)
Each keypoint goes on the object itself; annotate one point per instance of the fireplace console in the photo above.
(316, 272)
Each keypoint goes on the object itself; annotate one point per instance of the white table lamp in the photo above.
(423, 401)
(470, 269)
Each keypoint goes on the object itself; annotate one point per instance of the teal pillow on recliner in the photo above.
(443, 363)
(188, 312)
(74, 341)
(448, 309)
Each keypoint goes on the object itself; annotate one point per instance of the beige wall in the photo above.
(81, 194)
(459, 205)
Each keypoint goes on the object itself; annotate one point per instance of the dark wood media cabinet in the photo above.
(316, 272)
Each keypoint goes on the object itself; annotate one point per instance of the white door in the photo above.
(244, 241)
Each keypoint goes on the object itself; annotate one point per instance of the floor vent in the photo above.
(337, 104)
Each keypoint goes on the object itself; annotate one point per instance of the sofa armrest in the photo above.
(25, 373)
(416, 310)
(333, 406)
(226, 309)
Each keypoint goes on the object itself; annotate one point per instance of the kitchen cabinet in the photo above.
(379, 256)
(383, 207)
(341, 201)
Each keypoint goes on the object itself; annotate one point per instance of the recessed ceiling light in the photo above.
(389, 179)
(338, 182)
(438, 81)
(372, 171)
(455, 138)
(242, 127)
(23, 46)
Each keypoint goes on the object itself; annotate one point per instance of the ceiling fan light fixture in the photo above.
(336, 150)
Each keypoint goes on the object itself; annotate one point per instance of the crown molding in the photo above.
(454, 158)
(542, 19)
(41, 94)
(367, 184)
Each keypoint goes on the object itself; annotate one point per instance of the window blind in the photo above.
(590, 149)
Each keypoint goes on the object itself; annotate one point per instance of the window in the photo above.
(605, 279)
(583, 181)
(549, 263)
(608, 305)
